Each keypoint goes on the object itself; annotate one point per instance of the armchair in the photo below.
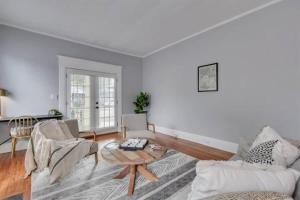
(74, 129)
(136, 125)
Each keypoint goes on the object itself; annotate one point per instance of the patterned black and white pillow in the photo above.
(262, 153)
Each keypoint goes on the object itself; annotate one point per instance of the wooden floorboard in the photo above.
(12, 170)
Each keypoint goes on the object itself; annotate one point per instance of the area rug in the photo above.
(16, 197)
(89, 181)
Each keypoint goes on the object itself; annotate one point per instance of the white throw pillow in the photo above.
(215, 177)
(283, 153)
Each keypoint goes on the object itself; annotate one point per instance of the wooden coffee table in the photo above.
(132, 161)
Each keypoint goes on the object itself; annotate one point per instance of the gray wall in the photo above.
(258, 59)
(29, 70)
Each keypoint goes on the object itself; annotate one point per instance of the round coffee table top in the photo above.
(111, 153)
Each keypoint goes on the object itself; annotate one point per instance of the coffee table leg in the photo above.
(131, 169)
(132, 179)
(123, 173)
(146, 173)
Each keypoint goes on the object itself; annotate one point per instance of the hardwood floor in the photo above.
(12, 176)
(12, 170)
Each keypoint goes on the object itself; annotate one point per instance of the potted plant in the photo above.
(142, 101)
(54, 112)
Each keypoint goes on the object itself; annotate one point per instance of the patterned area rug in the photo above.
(87, 181)
(16, 197)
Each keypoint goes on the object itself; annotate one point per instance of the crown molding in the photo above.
(222, 23)
(70, 40)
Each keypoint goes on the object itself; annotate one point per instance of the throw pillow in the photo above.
(217, 177)
(262, 153)
(283, 153)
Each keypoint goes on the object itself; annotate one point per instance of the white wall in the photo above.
(29, 70)
(258, 58)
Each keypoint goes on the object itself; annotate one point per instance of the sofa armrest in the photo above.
(151, 125)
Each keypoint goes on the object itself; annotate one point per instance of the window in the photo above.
(80, 100)
(106, 102)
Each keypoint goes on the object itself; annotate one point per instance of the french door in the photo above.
(91, 99)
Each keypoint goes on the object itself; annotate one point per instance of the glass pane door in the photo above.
(80, 100)
(105, 104)
(91, 99)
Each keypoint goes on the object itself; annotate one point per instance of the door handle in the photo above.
(97, 107)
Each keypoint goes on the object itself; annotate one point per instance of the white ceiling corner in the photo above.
(132, 27)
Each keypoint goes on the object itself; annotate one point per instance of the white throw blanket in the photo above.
(53, 146)
(217, 177)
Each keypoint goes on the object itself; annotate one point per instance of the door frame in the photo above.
(66, 63)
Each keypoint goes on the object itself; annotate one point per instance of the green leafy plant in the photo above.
(142, 101)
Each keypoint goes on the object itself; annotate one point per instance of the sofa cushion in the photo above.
(283, 152)
(246, 142)
(296, 166)
(250, 196)
(217, 177)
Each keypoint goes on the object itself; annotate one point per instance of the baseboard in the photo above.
(209, 141)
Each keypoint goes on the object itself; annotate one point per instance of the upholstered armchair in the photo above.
(20, 128)
(136, 125)
(74, 129)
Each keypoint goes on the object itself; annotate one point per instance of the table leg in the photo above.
(146, 173)
(131, 170)
(132, 179)
(123, 173)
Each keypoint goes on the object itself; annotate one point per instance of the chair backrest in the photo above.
(22, 125)
(134, 121)
(73, 126)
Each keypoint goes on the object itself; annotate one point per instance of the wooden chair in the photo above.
(136, 126)
(20, 127)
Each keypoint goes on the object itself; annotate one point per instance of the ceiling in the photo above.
(133, 27)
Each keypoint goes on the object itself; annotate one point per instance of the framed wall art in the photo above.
(208, 78)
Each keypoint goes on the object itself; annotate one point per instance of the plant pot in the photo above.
(142, 112)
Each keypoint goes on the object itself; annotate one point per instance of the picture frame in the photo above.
(208, 78)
